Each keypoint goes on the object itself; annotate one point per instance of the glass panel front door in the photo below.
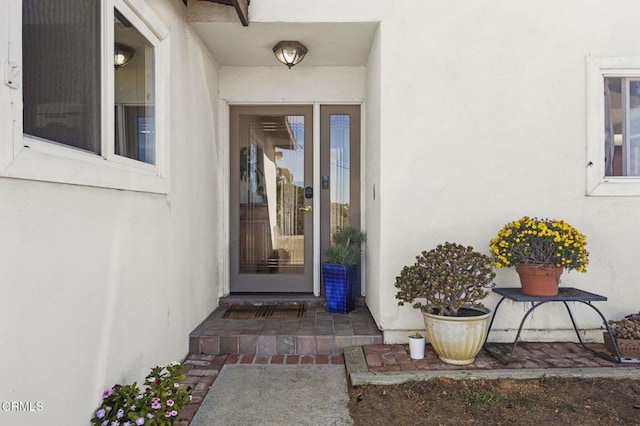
(271, 218)
(271, 192)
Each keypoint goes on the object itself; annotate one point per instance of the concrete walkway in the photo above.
(276, 395)
(203, 373)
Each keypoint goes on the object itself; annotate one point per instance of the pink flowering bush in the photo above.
(158, 404)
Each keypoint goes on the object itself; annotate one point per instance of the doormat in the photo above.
(268, 311)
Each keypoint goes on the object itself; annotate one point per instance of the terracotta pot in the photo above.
(539, 280)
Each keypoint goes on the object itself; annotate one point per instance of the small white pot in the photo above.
(416, 347)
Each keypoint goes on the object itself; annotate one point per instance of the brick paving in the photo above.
(383, 358)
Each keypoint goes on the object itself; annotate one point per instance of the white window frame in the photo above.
(597, 184)
(27, 157)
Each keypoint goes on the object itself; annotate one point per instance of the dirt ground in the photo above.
(499, 402)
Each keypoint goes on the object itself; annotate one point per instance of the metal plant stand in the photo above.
(566, 294)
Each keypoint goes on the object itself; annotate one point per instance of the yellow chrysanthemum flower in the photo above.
(534, 240)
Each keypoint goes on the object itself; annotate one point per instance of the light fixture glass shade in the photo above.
(290, 53)
(122, 54)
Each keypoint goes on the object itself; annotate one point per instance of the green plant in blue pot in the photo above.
(340, 270)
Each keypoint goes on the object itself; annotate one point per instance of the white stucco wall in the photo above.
(372, 178)
(475, 118)
(278, 84)
(100, 285)
(483, 122)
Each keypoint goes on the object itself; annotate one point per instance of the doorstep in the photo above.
(271, 299)
(318, 332)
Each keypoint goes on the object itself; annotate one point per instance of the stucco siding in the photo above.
(483, 122)
(482, 119)
(100, 285)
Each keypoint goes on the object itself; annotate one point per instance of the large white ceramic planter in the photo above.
(457, 340)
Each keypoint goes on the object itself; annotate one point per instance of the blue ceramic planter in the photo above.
(340, 282)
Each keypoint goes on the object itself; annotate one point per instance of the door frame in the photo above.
(224, 197)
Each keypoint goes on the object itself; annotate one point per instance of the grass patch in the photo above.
(481, 397)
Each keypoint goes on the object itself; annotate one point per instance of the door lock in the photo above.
(305, 209)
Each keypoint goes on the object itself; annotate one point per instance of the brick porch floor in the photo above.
(318, 332)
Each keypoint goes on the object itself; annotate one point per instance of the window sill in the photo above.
(45, 162)
(616, 187)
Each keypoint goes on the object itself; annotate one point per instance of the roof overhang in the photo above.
(241, 7)
(329, 44)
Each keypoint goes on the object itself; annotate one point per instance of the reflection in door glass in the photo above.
(271, 194)
(340, 125)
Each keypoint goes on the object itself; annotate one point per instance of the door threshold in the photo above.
(260, 299)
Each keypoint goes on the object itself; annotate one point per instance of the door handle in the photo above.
(305, 209)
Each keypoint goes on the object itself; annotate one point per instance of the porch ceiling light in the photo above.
(122, 54)
(290, 53)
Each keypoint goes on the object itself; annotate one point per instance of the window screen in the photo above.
(61, 71)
